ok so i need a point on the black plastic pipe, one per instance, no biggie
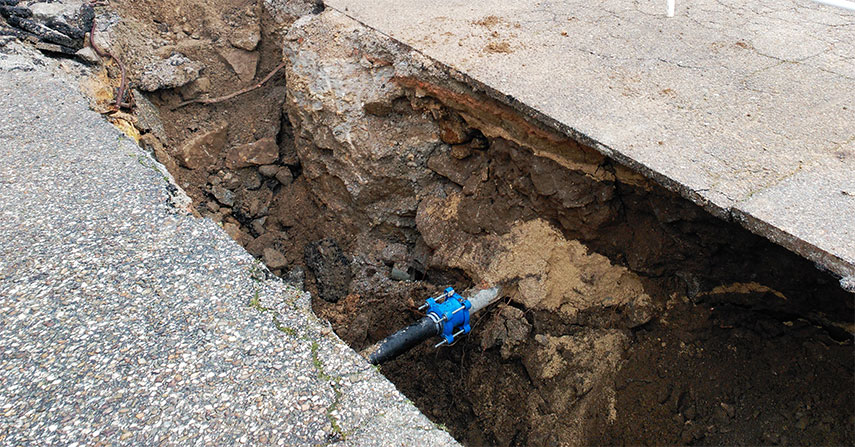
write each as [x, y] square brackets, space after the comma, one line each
[401, 341]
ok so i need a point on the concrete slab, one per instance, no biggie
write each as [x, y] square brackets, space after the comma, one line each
[720, 103]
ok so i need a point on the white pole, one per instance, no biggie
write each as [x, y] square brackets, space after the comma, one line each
[845, 4]
[670, 5]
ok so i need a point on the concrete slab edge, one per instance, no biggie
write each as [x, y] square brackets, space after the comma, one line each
[722, 208]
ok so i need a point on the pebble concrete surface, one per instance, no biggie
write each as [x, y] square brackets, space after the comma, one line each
[125, 320]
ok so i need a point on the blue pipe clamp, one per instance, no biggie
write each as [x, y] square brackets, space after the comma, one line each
[450, 313]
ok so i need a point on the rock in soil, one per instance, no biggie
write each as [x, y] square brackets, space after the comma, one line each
[268, 170]
[203, 150]
[262, 152]
[247, 37]
[331, 269]
[274, 259]
[252, 204]
[284, 176]
[244, 63]
[173, 72]
[88, 56]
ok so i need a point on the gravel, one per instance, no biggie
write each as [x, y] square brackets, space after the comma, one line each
[125, 320]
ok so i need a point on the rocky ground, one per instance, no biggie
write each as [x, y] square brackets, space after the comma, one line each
[629, 315]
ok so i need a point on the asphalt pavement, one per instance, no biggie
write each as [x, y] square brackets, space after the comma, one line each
[126, 320]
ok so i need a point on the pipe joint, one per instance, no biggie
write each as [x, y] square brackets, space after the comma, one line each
[450, 312]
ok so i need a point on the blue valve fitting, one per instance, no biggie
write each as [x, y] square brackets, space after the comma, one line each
[450, 312]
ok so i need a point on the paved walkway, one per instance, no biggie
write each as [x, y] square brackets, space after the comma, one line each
[125, 321]
[746, 108]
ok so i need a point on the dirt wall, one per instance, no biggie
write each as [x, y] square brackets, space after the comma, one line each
[595, 260]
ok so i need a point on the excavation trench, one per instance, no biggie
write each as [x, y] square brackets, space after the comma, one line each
[629, 315]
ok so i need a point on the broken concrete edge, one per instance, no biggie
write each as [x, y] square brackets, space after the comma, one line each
[721, 207]
[818, 256]
[334, 358]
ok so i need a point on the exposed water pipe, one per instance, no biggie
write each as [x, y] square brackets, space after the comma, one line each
[446, 315]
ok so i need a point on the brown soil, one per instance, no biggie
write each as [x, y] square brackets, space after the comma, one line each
[203, 32]
[630, 316]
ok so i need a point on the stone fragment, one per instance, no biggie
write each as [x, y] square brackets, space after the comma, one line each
[148, 117]
[331, 269]
[377, 108]
[230, 180]
[399, 273]
[223, 195]
[243, 63]
[296, 276]
[453, 130]
[284, 176]
[11, 10]
[213, 206]
[249, 179]
[274, 259]
[729, 409]
[63, 23]
[251, 204]
[458, 171]
[461, 151]
[394, 252]
[88, 56]
[173, 72]
[257, 225]
[246, 37]
[268, 170]
[234, 231]
[196, 88]
[55, 12]
[203, 150]
[262, 152]
[358, 330]
[256, 247]
[55, 48]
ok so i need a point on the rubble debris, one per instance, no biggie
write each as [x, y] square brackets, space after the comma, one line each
[55, 27]
[262, 152]
[246, 37]
[201, 151]
[175, 71]
[244, 63]
[331, 269]
[88, 56]
[274, 259]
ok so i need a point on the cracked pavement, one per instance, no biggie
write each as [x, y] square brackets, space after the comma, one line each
[126, 321]
[744, 108]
